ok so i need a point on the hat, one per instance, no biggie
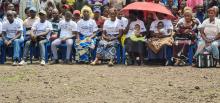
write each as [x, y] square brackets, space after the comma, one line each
[97, 10]
[66, 6]
[42, 12]
[76, 12]
[33, 9]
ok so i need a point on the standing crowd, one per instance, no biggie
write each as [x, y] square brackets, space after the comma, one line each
[92, 31]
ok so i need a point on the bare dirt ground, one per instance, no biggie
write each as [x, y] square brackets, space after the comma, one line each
[102, 84]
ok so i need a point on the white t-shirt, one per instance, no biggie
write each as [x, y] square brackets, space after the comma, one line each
[12, 29]
[67, 28]
[43, 5]
[132, 25]
[112, 27]
[87, 28]
[211, 29]
[123, 22]
[39, 27]
[167, 24]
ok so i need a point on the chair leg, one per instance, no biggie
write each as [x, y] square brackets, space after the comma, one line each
[47, 46]
[123, 54]
[3, 54]
[31, 54]
[190, 54]
[118, 53]
[169, 53]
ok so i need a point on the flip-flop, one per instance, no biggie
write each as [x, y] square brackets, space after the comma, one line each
[110, 64]
[95, 63]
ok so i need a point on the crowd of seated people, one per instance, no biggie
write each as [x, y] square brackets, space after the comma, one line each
[92, 31]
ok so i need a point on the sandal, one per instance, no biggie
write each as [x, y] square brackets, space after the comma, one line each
[110, 64]
[95, 63]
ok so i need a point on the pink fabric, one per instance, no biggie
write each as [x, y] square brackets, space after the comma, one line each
[193, 3]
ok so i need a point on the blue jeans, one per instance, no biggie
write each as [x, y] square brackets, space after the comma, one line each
[16, 44]
[1, 44]
[41, 47]
[213, 48]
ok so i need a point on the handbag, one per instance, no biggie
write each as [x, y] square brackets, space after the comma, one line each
[205, 60]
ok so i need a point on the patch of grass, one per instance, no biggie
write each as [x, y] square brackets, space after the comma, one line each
[19, 75]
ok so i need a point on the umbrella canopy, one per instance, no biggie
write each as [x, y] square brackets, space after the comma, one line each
[148, 7]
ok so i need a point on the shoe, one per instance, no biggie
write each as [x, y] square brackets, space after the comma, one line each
[22, 63]
[95, 63]
[110, 64]
[67, 61]
[15, 63]
[42, 63]
[55, 62]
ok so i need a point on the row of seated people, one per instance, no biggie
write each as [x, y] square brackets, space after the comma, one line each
[180, 38]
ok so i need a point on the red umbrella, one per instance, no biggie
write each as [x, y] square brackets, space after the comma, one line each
[148, 7]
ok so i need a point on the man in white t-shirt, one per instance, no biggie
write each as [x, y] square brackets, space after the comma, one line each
[29, 22]
[11, 32]
[40, 33]
[122, 20]
[68, 29]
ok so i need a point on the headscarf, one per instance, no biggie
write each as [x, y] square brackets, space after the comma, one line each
[88, 9]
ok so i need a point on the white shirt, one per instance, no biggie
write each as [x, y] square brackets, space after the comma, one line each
[12, 29]
[43, 5]
[132, 25]
[167, 24]
[211, 29]
[112, 27]
[67, 28]
[39, 27]
[87, 28]
[123, 22]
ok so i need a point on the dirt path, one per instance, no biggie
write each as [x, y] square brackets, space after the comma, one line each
[102, 84]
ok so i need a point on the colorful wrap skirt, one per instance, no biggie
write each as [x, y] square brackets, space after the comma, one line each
[83, 48]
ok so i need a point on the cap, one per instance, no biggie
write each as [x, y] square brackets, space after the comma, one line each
[42, 12]
[76, 12]
[33, 9]
[97, 10]
[66, 6]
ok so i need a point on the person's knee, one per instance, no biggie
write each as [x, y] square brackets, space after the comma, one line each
[201, 43]
[53, 43]
[69, 43]
[42, 42]
[28, 43]
[214, 44]
[16, 41]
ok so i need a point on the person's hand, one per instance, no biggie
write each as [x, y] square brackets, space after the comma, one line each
[187, 31]
[77, 41]
[8, 42]
[33, 38]
[63, 39]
